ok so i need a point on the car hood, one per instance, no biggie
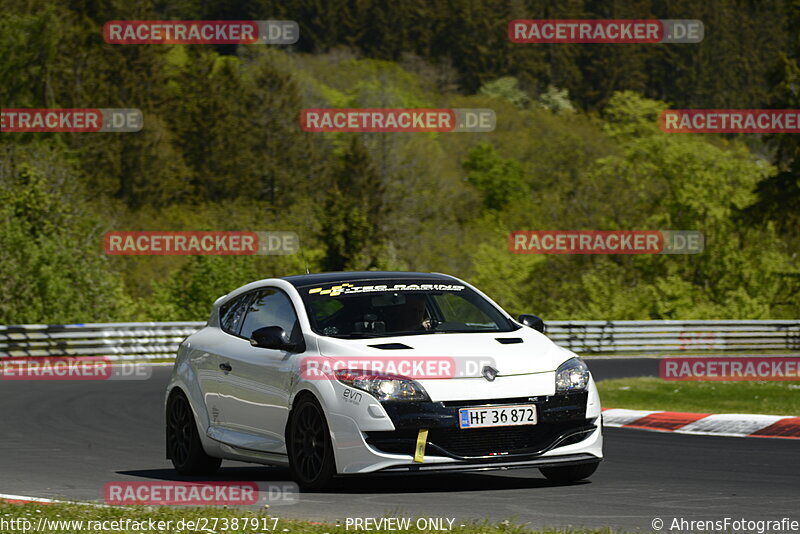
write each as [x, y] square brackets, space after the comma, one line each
[523, 351]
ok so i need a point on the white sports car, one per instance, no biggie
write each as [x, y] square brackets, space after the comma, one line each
[341, 374]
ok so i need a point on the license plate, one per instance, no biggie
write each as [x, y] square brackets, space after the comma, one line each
[487, 416]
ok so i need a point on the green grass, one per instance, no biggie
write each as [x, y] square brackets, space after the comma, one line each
[774, 398]
[77, 512]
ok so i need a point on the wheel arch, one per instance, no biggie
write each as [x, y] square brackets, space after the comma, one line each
[298, 396]
[173, 391]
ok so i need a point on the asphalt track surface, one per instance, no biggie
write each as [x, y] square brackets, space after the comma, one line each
[66, 439]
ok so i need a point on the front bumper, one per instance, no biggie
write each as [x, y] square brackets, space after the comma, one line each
[561, 421]
[545, 461]
[563, 435]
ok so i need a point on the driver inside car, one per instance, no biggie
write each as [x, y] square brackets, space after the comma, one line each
[412, 316]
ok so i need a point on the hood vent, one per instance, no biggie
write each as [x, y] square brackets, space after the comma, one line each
[391, 346]
[508, 340]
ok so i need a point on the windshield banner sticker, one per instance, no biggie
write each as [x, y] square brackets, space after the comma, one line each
[350, 289]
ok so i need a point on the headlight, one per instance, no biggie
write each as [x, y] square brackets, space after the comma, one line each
[572, 375]
[382, 386]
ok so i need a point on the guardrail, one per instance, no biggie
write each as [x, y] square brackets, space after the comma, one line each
[121, 341]
[128, 341]
[676, 336]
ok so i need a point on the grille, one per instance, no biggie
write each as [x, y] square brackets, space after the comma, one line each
[550, 408]
[493, 402]
[480, 441]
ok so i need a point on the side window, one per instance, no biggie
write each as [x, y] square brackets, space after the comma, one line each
[231, 314]
[271, 307]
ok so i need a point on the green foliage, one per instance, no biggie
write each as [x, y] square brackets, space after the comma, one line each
[497, 178]
[187, 295]
[51, 264]
[190, 292]
[652, 181]
[28, 46]
[501, 275]
[506, 89]
[779, 195]
[70, 518]
[222, 150]
[351, 213]
[556, 100]
[651, 393]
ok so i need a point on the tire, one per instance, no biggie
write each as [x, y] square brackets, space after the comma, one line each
[309, 445]
[184, 447]
[569, 473]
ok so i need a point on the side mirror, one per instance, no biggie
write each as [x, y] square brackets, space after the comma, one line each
[532, 321]
[274, 337]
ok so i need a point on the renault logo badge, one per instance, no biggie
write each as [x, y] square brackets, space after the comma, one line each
[489, 373]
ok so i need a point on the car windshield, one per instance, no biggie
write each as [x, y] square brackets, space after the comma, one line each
[383, 308]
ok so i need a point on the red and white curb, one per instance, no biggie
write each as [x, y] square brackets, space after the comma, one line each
[25, 499]
[739, 425]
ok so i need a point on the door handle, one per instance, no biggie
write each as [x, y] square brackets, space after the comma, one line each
[226, 367]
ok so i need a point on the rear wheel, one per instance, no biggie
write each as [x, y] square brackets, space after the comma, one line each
[310, 449]
[569, 473]
[183, 441]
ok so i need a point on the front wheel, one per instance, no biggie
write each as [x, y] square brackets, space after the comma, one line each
[310, 449]
[569, 473]
[183, 441]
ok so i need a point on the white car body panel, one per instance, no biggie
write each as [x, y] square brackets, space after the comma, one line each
[242, 414]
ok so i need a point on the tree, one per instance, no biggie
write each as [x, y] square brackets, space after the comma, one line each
[497, 178]
[350, 212]
[52, 268]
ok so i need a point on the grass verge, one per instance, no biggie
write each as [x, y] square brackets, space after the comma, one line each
[82, 519]
[646, 393]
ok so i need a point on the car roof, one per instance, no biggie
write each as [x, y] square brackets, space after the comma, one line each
[301, 280]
